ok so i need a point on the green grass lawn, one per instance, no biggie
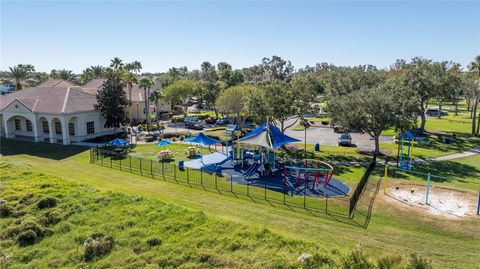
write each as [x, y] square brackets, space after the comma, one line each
[448, 242]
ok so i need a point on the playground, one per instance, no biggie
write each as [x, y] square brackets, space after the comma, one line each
[251, 161]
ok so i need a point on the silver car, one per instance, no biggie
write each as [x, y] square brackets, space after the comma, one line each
[345, 139]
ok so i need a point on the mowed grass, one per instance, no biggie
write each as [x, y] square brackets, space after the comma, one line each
[448, 242]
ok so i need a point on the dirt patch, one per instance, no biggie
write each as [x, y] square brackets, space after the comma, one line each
[442, 202]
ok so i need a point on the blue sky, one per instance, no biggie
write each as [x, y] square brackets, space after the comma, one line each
[75, 35]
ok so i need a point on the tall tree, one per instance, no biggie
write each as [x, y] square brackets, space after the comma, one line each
[474, 75]
[116, 63]
[276, 68]
[19, 75]
[208, 86]
[129, 79]
[112, 101]
[147, 83]
[180, 92]
[373, 110]
[64, 74]
[92, 72]
[233, 101]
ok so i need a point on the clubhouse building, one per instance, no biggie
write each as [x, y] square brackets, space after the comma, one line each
[57, 111]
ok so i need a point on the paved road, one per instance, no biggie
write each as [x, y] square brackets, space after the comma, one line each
[326, 136]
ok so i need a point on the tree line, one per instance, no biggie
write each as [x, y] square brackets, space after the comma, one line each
[362, 97]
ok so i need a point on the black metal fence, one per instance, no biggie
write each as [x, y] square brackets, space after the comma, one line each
[341, 206]
[360, 187]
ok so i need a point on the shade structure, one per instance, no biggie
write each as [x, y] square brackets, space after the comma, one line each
[267, 136]
[187, 139]
[117, 142]
[203, 140]
[163, 143]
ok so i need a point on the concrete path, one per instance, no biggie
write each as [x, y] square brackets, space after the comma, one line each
[467, 153]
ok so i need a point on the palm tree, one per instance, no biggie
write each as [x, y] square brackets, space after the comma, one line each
[474, 68]
[19, 74]
[98, 71]
[116, 63]
[146, 83]
[129, 79]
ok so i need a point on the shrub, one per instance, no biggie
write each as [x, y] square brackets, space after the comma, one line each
[154, 241]
[47, 202]
[417, 262]
[26, 198]
[389, 262]
[5, 210]
[318, 261]
[27, 238]
[356, 259]
[182, 137]
[97, 245]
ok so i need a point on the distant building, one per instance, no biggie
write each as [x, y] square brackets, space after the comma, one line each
[58, 111]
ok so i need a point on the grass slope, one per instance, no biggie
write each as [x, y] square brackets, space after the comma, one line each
[448, 243]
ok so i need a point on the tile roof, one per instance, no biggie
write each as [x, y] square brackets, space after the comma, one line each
[51, 100]
[57, 83]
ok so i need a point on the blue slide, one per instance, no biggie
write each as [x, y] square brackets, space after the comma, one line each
[251, 170]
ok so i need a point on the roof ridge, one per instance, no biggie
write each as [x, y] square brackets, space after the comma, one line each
[65, 101]
[35, 105]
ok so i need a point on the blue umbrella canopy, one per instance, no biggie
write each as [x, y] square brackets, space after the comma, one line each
[188, 139]
[268, 136]
[163, 143]
[203, 140]
[117, 142]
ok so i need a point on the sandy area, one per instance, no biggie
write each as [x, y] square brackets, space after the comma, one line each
[441, 201]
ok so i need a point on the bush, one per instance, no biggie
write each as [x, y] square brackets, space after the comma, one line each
[154, 242]
[97, 245]
[5, 210]
[356, 259]
[182, 137]
[417, 262]
[390, 262]
[27, 238]
[47, 202]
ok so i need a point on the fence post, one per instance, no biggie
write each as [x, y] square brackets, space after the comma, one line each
[304, 197]
[120, 164]
[141, 171]
[163, 170]
[174, 172]
[151, 167]
[428, 188]
[102, 160]
[284, 190]
[111, 162]
[130, 163]
[248, 188]
[326, 204]
[188, 176]
[90, 155]
[231, 183]
[215, 180]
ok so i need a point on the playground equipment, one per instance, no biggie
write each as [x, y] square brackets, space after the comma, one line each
[404, 159]
[307, 173]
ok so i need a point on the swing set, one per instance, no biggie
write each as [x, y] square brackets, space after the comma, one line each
[309, 175]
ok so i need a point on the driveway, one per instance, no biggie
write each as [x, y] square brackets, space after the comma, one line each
[326, 136]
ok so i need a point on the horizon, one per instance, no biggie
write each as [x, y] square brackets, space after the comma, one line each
[75, 35]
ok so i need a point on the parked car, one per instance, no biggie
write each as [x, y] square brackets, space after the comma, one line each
[223, 121]
[345, 139]
[194, 125]
[433, 112]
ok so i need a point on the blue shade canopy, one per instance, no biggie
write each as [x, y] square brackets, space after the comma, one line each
[163, 143]
[117, 142]
[203, 140]
[269, 137]
[187, 139]
[408, 135]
